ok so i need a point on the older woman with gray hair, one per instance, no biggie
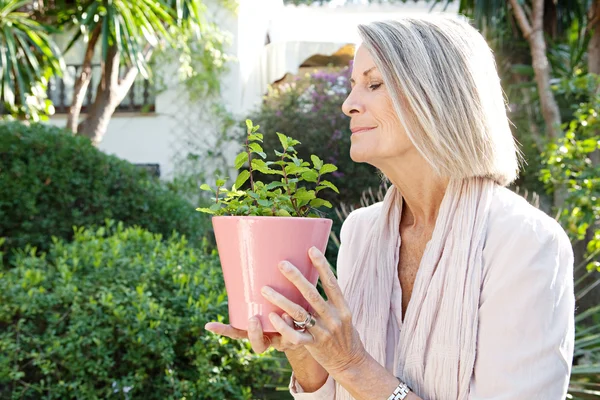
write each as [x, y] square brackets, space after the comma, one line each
[453, 287]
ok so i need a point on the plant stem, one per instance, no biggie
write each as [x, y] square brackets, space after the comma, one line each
[250, 164]
[287, 184]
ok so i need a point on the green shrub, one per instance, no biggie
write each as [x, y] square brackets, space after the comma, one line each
[52, 181]
[119, 313]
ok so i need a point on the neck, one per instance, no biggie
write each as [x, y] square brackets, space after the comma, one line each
[422, 189]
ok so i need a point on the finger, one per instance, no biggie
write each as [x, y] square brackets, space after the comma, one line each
[259, 341]
[288, 333]
[226, 330]
[308, 290]
[295, 311]
[328, 279]
[288, 320]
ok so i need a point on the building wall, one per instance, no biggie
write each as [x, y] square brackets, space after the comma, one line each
[160, 137]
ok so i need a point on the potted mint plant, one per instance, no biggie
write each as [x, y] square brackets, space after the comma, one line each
[258, 227]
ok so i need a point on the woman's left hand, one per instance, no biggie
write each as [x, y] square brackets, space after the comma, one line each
[333, 341]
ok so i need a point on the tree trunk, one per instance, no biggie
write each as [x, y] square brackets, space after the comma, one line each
[534, 33]
[111, 92]
[82, 83]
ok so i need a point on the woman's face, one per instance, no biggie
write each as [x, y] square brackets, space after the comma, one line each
[377, 134]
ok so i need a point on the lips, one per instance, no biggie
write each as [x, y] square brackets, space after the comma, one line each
[359, 129]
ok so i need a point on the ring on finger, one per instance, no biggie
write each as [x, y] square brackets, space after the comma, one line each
[308, 323]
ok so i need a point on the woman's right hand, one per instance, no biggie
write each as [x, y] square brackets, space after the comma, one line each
[258, 339]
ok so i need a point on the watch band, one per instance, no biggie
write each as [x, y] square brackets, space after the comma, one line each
[400, 392]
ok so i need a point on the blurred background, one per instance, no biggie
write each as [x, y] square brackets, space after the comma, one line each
[115, 111]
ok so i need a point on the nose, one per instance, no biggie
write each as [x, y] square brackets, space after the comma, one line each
[352, 105]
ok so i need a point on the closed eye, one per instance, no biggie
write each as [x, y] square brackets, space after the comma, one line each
[375, 86]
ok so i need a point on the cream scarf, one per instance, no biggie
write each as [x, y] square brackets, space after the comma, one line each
[435, 354]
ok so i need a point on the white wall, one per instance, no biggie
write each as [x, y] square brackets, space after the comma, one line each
[159, 137]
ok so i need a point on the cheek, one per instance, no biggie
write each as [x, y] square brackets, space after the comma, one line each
[389, 120]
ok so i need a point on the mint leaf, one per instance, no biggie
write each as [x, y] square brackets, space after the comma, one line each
[317, 162]
[284, 140]
[320, 203]
[310, 176]
[205, 210]
[304, 195]
[242, 178]
[327, 168]
[240, 160]
[206, 187]
[327, 184]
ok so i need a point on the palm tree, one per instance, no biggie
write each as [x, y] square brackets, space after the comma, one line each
[128, 33]
[28, 57]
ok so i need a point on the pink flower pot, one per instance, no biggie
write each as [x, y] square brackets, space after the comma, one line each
[250, 248]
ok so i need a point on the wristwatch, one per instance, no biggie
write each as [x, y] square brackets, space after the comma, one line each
[400, 392]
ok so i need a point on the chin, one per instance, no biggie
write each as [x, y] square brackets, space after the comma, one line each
[359, 156]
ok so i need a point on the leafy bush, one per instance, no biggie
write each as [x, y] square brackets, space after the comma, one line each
[52, 181]
[569, 164]
[119, 313]
[309, 110]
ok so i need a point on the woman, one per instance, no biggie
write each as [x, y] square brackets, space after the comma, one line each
[453, 287]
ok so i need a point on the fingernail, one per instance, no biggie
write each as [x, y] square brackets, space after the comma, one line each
[314, 252]
[272, 317]
[266, 290]
[284, 266]
[253, 322]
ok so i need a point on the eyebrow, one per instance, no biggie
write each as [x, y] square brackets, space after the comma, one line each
[367, 72]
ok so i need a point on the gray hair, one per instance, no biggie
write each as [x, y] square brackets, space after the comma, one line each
[442, 78]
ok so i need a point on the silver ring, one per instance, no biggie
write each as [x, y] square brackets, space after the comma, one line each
[309, 322]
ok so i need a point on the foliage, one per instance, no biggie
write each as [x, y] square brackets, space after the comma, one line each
[119, 313]
[283, 198]
[569, 164]
[28, 58]
[309, 109]
[52, 181]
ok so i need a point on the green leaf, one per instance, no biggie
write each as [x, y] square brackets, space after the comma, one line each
[242, 178]
[249, 125]
[282, 213]
[327, 184]
[274, 185]
[255, 137]
[327, 168]
[317, 162]
[304, 195]
[240, 160]
[205, 210]
[257, 148]
[215, 207]
[220, 182]
[283, 140]
[264, 202]
[310, 176]
[320, 203]
[206, 187]
[294, 169]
